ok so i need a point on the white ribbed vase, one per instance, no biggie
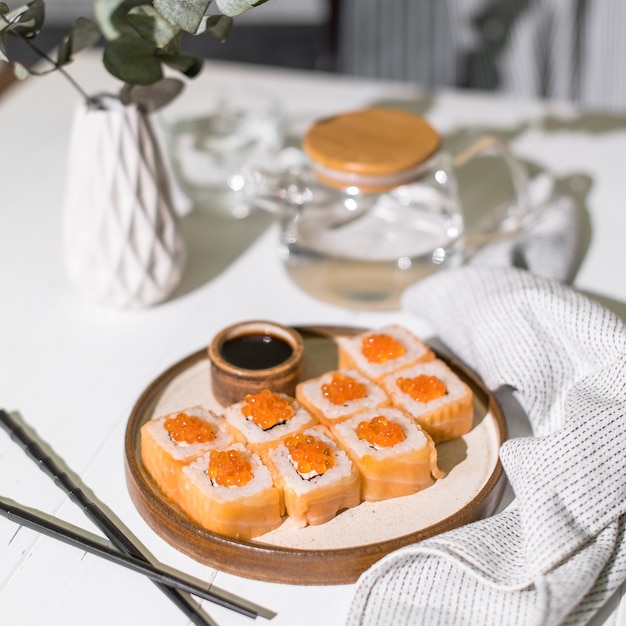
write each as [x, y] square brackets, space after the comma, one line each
[122, 241]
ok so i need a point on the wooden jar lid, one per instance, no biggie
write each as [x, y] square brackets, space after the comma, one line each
[374, 149]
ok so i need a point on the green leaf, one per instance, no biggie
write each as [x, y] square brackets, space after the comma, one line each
[237, 7]
[14, 16]
[64, 53]
[4, 26]
[152, 97]
[29, 22]
[112, 16]
[4, 8]
[173, 47]
[186, 14]
[186, 64]
[35, 15]
[84, 34]
[132, 61]
[152, 26]
[219, 26]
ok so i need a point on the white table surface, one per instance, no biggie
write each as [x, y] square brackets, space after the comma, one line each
[74, 370]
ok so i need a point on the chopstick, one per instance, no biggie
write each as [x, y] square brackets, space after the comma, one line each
[33, 446]
[80, 538]
[34, 449]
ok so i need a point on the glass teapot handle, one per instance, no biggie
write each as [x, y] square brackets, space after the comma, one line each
[520, 208]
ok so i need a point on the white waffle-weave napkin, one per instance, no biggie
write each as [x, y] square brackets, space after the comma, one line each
[559, 551]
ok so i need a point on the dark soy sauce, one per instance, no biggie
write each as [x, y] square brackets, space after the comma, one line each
[256, 351]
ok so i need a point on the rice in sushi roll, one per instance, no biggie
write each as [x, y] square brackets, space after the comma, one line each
[432, 394]
[394, 456]
[263, 419]
[171, 441]
[316, 475]
[337, 395]
[231, 492]
[380, 352]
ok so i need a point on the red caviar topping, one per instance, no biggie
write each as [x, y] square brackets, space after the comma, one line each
[267, 409]
[343, 388]
[422, 388]
[309, 454]
[380, 348]
[189, 429]
[379, 431]
[229, 468]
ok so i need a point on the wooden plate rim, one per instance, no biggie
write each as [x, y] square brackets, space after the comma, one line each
[281, 564]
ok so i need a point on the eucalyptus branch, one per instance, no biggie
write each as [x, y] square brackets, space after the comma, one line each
[143, 41]
[56, 66]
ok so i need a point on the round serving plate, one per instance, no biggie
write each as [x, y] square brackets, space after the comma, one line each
[338, 551]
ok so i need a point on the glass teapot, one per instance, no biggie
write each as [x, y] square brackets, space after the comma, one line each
[370, 205]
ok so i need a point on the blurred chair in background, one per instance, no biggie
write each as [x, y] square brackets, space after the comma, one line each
[572, 50]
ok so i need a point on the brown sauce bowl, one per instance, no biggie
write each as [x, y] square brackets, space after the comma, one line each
[248, 357]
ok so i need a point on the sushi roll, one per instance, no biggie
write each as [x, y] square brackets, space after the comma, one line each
[317, 477]
[394, 456]
[380, 352]
[432, 394]
[337, 395]
[231, 492]
[263, 419]
[171, 441]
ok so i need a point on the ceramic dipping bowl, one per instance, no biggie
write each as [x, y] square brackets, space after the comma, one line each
[251, 356]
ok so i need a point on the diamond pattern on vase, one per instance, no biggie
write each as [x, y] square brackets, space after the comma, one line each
[122, 240]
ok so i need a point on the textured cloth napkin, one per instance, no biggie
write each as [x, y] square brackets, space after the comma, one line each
[558, 552]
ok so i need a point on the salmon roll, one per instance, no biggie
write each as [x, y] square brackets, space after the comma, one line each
[265, 418]
[435, 397]
[231, 492]
[380, 352]
[337, 395]
[317, 477]
[172, 441]
[394, 456]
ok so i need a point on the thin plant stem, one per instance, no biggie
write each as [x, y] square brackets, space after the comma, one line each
[45, 56]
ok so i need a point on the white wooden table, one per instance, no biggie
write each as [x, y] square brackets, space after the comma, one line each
[74, 370]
